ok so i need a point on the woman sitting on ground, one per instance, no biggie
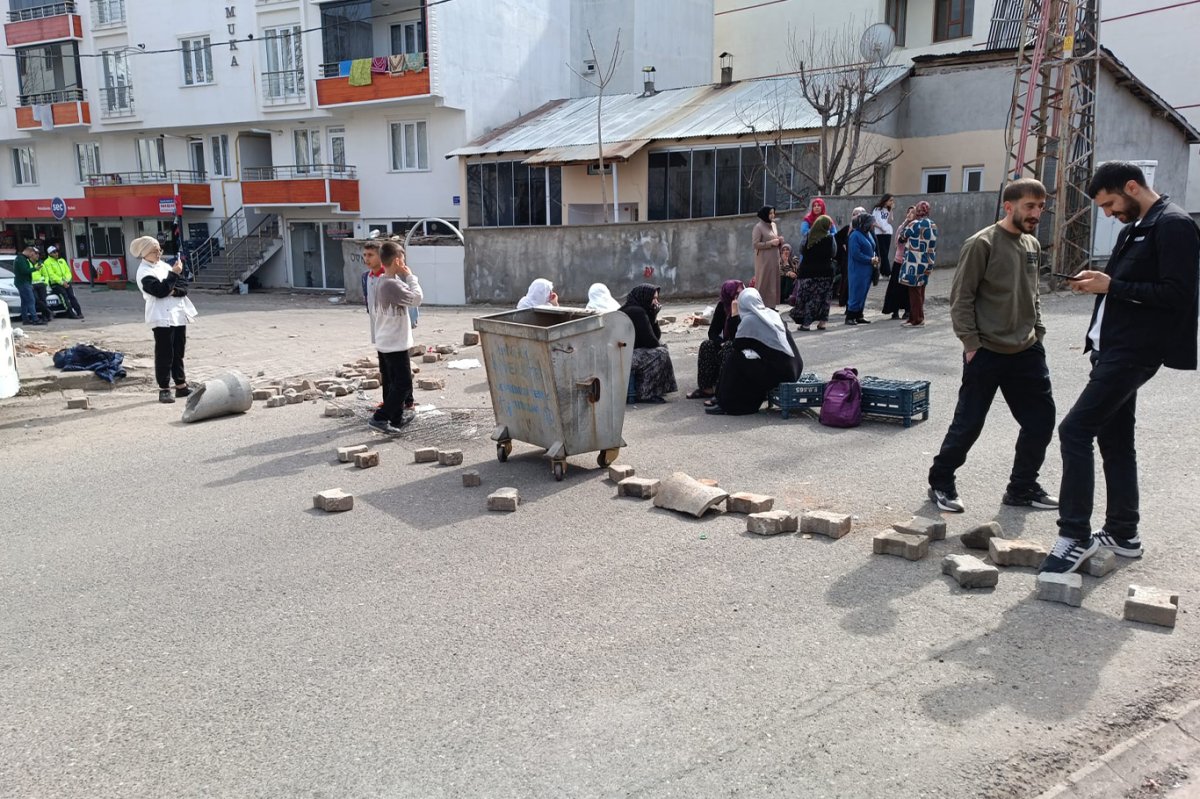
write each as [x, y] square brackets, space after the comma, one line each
[714, 349]
[541, 292]
[601, 299]
[652, 374]
[814, 285]
[763, 356]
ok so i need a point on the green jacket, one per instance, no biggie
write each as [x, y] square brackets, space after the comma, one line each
[22, 270]
[56, 270]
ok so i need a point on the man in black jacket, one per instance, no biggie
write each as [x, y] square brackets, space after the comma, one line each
[1144, 318]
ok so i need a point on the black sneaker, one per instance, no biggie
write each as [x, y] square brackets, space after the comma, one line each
[946, 500]
[1125, 547]
[406, 418]
[1068, 554]
[183, 391]
[851, 321]
[863, 321]
[1033, 498]
[164, 395]
[383, 426]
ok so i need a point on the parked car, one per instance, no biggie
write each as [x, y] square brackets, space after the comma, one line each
[10, 295]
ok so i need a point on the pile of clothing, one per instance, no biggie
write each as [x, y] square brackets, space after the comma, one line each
[86, 358]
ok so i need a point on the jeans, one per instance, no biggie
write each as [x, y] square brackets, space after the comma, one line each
[28, 303]
[169, 344]
[1024, 380]
[397, 385]
[1105, 412]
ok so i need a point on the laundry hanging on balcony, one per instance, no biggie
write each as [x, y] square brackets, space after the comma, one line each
[360, 72]
[379, 65]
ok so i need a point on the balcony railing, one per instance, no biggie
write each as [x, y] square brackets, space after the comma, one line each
[136, 178]
[283, 87]
[41, 12]
[108, 13]
[48, 98]
[413, 62]
[300, 172]
[116, 101]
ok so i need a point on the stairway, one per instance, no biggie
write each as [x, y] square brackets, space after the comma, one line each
[234, 253]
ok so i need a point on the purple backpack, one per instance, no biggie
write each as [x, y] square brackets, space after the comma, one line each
[842, 404]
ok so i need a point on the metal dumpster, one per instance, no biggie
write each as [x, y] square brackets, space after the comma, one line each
[558, 379]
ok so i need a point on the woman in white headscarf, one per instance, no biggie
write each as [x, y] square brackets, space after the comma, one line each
[541, 292]
[601, 299]
[168, 311]
[763, 356]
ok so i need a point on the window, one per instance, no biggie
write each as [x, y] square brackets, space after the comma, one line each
[346, 31]
[197, 61]
[972, 178]
[87, 160]
[308, 149]
[107, 241]
[222, 167]
[107, 12]
[284, 78]
[151, 155]
[512, 193]
[408, 37]
[49, 73]
[879, 179]
[935, 181]
[196, 157]
[337, 148]
[24, 166]
[952, 19]
[895, 14]
[116, 91]
[410, 148]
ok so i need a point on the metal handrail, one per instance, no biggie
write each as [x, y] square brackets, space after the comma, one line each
[48, 98]
[41, 12]
[333, 68]
[149, 176]
[242, 248]
[300, 172]
[286, 84]
[116, 101]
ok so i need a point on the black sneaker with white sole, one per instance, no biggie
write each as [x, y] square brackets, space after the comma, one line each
[383, 426]
[1034, 498]
[1124, 547]
[1068, 554]
[946, 500]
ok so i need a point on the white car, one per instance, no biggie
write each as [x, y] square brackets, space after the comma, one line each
[10, 295]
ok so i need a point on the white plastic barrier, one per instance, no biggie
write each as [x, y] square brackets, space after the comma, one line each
[10, 381]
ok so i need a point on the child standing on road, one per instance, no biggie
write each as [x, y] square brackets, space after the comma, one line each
[389, 296]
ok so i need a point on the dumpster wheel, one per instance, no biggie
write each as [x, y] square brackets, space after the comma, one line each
[503, 448]
[560, 469]
[607, 457]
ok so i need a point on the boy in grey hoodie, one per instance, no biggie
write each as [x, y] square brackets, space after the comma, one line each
[388, 299]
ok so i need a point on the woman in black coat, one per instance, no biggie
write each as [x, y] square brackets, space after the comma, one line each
[652, 374]
[763, 355]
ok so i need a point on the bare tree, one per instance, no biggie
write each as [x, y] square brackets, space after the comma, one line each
[604, 75]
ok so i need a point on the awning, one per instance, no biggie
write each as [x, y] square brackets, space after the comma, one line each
[620, 152]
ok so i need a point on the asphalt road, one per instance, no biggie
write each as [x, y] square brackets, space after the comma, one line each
[178, 621]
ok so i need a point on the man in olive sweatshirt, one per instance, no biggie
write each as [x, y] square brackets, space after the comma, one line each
[997, 315]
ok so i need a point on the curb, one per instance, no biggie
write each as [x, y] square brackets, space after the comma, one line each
[1127, 765]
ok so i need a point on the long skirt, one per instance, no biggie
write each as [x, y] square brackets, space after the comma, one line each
[896, 298]
[708, 363]
[813, 296]
[653, 373]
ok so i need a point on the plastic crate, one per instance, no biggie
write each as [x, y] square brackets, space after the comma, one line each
[807, 392]
[902, 399]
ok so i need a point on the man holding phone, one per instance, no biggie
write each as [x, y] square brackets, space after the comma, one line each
[996, 313]
[1144, 318]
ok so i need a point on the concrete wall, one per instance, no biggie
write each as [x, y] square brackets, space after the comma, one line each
[687, 258]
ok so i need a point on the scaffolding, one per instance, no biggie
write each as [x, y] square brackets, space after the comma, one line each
[1051, 133]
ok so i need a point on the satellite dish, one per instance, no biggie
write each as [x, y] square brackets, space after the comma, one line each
[877, 42]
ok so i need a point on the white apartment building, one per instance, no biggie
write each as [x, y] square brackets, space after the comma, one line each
[1154, 38]
[319, 119]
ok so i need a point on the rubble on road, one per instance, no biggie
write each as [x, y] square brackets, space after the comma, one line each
[772, 522]
[1151, 606]
[1064, 588]
[970, 572]
[335, 500]
[901, 545]
[826, 523]
[683, 493]
[504, 500]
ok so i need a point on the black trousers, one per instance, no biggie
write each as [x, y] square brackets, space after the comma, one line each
[169, 344]
[396, 372]
[1024, 381]
[1105, 413]
[39, 301]
[66, 296]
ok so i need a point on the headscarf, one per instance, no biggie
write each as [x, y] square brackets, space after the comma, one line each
[921, 210]
[864, 223]
[729, 290]
[761, 323]
[764, 213]
[538, 294]
[812, 214]
[820, 229]
[643, 297]
[601, 299]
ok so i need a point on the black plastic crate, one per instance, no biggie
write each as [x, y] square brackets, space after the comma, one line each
[902, 399]
[807, 392]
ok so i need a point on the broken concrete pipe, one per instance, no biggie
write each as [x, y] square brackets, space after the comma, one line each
[224, 394]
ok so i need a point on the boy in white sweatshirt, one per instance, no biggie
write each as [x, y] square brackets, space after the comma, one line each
[388, 300]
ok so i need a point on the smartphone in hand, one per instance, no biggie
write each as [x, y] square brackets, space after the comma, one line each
[1065, 276]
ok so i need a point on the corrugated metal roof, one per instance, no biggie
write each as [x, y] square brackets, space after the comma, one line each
[771, 104]
[586, 153]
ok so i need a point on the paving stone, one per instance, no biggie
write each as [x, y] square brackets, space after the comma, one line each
[1064, 588]
[79, 404]
[369, 385]
[471, 479]
[1151, 606]
[460, 415]
[619, 471]
[376, 375]
[339, 390]
[1016, 552]
[446, 349]
[416, 351]
[277, 402]
[430, 357]
[337, 411]
[772, 522]
[933, 529]
[345, 370]
[450, 457]
[978, 537]
[431, 384]
[290, 392]
[902, 545]
[970, 571]
[346, 454]
[293, 399]
[1100, 564]
[365, 460]
[265, 393]
[827, 523]
[313, 394]
[334, 500]
[640, 487]
[504, 499]
[745, 502]
[426, 455]
[470, 339]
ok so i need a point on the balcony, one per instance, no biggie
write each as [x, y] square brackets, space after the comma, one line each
[391, 78]
[107, 14]
[116, 102]
[49, 23]
[301, 184]
[66, 109]
[165, 185]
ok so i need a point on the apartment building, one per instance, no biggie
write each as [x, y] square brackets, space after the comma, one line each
[308, 121]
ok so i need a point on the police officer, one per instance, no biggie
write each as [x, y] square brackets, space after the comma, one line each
[58, 276]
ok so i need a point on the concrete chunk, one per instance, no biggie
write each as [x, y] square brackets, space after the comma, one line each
[978, 537]
[369, 385]
[430, 357]
[445, 349]
[1151, 606]
[1016, 552]
[902, 545]
[504, 499]
[772, 522]
[338, 390]
[471, 479]
[1100, 564]
[640, 487]
[970, 571]
[450, 457]
[365, 460]
[827, 523]
[680, 492]
[745, 502]
[933, 529]
[470, 339]
[1064, 588]
[619, 471]
[337, 411]
[293, 399]
[346, 454]
[425, 455]
[79, 404]
[334, 500]
[277, 402]
[265, 393]
[431, 384]
[415, 351]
